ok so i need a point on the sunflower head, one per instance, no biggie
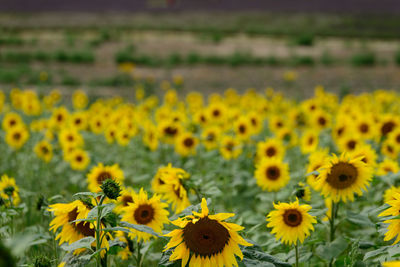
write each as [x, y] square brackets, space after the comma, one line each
[291, 222]
[203, 239]
[342, 177]
[272, 174]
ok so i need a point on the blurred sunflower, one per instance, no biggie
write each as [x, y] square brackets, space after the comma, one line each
[272, 174]
[230, 147]
[11, 120]
[291, 222]
[387, 166]
[44, 150]
[186, 144]
[127, 195]
[9, 190]
[150, 212]
[309, 141]
[175, 194]
[303, 192]
[342, 177]
[210, 137]
[17, 136]
[389, 193]
[98, 174]
[206, 240]
[271, 148]
[79, 159]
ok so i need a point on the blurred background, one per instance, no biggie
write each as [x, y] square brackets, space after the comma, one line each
[112, 47]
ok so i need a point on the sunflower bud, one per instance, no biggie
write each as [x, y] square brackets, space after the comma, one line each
[111, 189]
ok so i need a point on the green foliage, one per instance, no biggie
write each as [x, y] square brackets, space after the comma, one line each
[365, 58]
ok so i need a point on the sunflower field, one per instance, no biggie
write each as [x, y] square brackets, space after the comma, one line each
[230, 179]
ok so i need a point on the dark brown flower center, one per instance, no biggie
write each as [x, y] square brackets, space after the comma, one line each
[322, 121]
[44, 149]
[398, 138]
[273, 173]
[60, 117]
[78, 121]
[188, 142]
[216, 113]
[387, 127]
[364, 128]
[81, 227]
[144, 214]
[351, 144]
[210, 137]
[242, 129]
[79, 158]
[206, 237]
[342, 175]
[292, 217]
[170, 131]
[17, 136]
[126, 199]
[12, 122]
[229, 146]
[103, 176]
[270, 152]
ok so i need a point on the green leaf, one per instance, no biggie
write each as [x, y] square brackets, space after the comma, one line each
[359, 219]
[318, 212]
[165, 262]
[332, 250]
[255, 256]
[88, 194]
[106, 209]
[85, 242]
[140, 228]
[117, 228]
[72, 260]
[375, 253]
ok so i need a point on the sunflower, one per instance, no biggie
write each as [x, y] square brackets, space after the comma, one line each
[44, 150]
[387, 166]
[79, 159]
[167, 174]
[389, 193]
[230, 147]
[349, 142]
[79, 120]
[391, 264]
[97, 124]
[126, 197]
[186, 144]
[342, 177]
[169, 131]
[175, 194]
[242, 128]
[110, 133]
[390, 149]
[303, 192]
[65, 215]
[271, 148]
[125, 253]
[210, 137]
[123, 137]
[256, 123]
[17, 136]
[367, 153]
[217, 112]
[79, 99]
[59, 117]
[70, 137]
[365, 126]
[388, 123]
[394, 224]
[98, 174]
[320, 119]
[150, 137]
[272, 174]
[291, 222]
[206, 240]
[309, 141]
[11, 120]
[9, 190]
[150, 212]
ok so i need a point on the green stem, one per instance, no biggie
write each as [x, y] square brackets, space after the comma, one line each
[334, 213]
[296, 246]
[98, 232]
[139, 255]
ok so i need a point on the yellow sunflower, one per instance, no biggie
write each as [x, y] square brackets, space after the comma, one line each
[366, 152]
[79, 120]
[303, 192]
[70, 137]
[210, 137]
[316, 161]
[394, 224]
[98, 174]
[242, 128]
[150, 212]
[291, 222]
[65, 214]
[206, 240]
[391, 264]
[17, 136]
[175, 194]
[390, 192]
[309, 141]
[79, 159]
[126, 197]
[387, 166]
[167, 174]
[186, 144]
[271, 148]
[11, 120]
[230, 148]
[9, 190]
[342, 177]
[272, 174]
[44, 150]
